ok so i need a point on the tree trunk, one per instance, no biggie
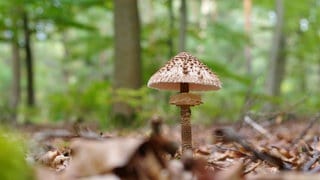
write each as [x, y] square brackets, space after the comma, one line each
[171, 27]
[319, 73]
[247, 4]
[66, 57]
[183, 26]
[303, 79]
[29, 61]
[127, 64]
[16, 89]
[278, 56]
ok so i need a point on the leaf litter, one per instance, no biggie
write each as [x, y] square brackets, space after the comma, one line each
[255, 150]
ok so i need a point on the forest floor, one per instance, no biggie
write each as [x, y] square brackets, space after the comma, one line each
[278, 149]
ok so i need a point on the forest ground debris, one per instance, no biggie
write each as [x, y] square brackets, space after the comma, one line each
[229, 135]
[244, 154]
[315, 156]
[307, 128]
[257, 127]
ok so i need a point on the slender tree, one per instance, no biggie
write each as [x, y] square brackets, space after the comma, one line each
[247, 5]
[183, 25]
[127, 64]
[29, 61]
[277, 56]
[171, 28]
[16, 73]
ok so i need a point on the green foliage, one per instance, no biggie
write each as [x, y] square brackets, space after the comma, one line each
[89, 103]
[12, 158]
[93, 103]
[143, 102]
[74, 57]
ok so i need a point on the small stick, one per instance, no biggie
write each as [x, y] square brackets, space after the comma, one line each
[229, 149]
[252, 168]
[309, 126]
[229, 135]
[315, 156]
[315, 170]
[313, 160]
[64, 134]
[257, 127]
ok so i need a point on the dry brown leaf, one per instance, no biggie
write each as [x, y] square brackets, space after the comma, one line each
[286, 176]
[235, 172]
[43, 173]
[202, 151]
[96, 157]
[101, 177]
[47, 158]
[148, 166]
[175, 169]
[60, 162]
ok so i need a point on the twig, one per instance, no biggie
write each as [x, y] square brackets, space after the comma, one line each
[252, 168]
[308, 127]
[315, 157]
[313, 160]
[64, 134]
[229, 135]
[315, 170]
[229, 149]
[257, 127]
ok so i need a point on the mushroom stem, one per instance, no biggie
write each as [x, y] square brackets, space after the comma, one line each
[186, 133]
[184, 87]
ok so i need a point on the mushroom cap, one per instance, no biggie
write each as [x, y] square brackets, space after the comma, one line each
[184, 68]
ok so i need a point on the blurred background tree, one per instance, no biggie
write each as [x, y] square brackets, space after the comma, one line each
[127, 65]
[64, 60]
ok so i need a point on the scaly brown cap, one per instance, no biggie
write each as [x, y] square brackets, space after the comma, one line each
[184, 68]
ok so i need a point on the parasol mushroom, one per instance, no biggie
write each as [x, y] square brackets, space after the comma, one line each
[185, 73]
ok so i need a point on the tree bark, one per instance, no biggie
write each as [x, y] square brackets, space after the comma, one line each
[29, 61]
[278, 55]
[183, 26]
[16, 88]
[66, 57]
[247, 4]
[303, 79]
[319, 72]
[127, 64]
[171, 27]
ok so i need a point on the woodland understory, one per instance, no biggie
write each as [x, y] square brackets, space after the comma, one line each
[280, 148]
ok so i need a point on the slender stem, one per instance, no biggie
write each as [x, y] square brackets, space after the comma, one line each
[186, 132]
[184, 87]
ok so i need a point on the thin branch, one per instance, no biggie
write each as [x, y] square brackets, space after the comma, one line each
[307, 128]
[229, 135]
[252, 168]
[257, 127]
[315, 157]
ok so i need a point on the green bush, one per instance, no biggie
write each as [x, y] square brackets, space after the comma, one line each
[92, 102]
[12, 158]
